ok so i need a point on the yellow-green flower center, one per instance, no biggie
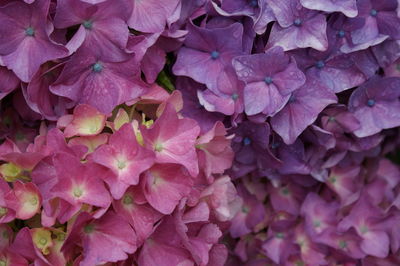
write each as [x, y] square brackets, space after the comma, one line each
[127, 200]
[78, 192]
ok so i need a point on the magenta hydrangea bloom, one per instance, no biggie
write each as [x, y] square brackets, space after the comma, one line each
[297, 27]
[302, 110]
[79, 184]
[166, 243]
[198, 238]
[7, 200]
[164, 185]
[125, 157]
[25, 199]
[375, 105]
[92, 79]
[270, 79]
[12, 257]
[140, 215]
[214, 151]
[102, 25]
[173, 140]
[205, 54]
[222, 198]
[108, 239]
[25, 246]
[24, 38]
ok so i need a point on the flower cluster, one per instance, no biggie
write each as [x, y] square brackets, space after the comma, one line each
[311, 91]
[297, 100]
[93, 189]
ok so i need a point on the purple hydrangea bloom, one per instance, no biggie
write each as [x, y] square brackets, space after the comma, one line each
[319, 215]
[347, 7]
[293, 157]
[207, 52]
[270, 79]
[251, 213]
[297, 27]
[370, 224]
[102, 26]
[153, 15]
[251, 147]
[332, 68]
[229, 97]
[302, 110]
[337, 119]
[191, 106]
[375, 104]
[258, 10]
[89, 78]
[380, 17]
[24, 38]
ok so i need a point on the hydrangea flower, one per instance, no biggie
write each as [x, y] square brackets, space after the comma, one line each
[140, 215]
[101, 25]
[191, 106]
[125, 157]
[25, 41]
[25, 199]
[379, 18]
[172, 139]
[347, 7]
[165, 185]
[270, 79]
[166, 13]
[297, 27]
[78, 184]
[108, 239]
[365, 219]
[332, 68]
[229, 97]
[259, 11]
[375, 105]
[302, 110]
[205, 54]
[114, 145]
[90, 78]
[214, 151]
